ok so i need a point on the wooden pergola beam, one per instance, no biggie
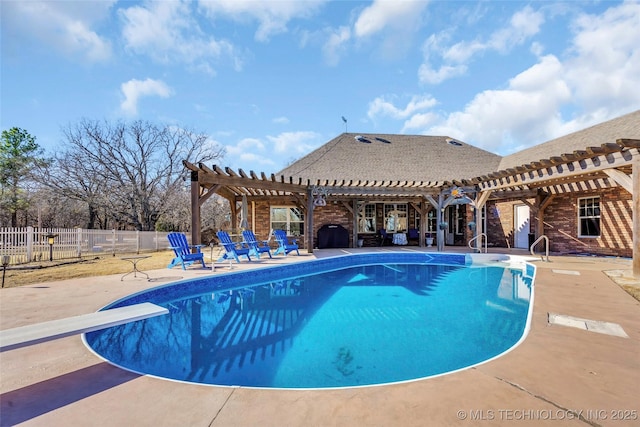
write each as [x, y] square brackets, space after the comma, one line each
[593, 168]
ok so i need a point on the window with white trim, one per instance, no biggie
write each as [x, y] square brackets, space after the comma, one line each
[367, 218]
[589, 217]
[289, 219]
[395, 217]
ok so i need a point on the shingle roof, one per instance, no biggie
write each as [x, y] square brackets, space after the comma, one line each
[393, 158]
[384, 157]
[623, 127]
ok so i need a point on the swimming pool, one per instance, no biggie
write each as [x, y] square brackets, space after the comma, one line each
[349, 321]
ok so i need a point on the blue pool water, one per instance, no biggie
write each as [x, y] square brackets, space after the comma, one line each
[337, 322]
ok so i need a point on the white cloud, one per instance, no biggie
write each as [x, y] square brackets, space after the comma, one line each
[599, 78]
[390, 25]
[387, 25]
[259, 160]
[258, 155]
[604, 69]
[245, 145]
[272, 16]
[523, 25]
[380, 107]
[249, 154]
[419, 121]
[526, 111]
[295, 143]
[335, 46]
[66, 26]
[281, 120]
[426, 74]
[134, 89]
[168, 33]
[383, 14]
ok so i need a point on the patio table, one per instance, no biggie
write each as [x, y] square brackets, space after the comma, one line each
[134, 260]
[399, 239]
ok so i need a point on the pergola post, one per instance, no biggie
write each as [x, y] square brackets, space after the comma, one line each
[635, 175]
[195, 209]
[440, 219]
[309, 222]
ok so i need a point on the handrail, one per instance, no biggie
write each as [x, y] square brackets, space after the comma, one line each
[533, 245]
[478, 237]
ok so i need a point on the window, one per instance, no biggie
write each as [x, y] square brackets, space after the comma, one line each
[367, 219]
[589, 217]
[288, 219]
[395, 217]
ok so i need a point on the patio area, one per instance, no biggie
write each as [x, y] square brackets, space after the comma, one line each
[561, 376]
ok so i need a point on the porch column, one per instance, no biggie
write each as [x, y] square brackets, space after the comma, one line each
[635, 175]
[423, 223]
[356, 215]
[195, 209]
[478, 204]
[439, 232]
[309, 222]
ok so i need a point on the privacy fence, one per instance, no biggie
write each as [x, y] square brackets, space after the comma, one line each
[28, 244]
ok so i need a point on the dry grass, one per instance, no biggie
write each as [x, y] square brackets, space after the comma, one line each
[102, 265]
[634, 291]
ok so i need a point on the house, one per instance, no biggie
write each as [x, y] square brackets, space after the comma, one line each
[576, 190]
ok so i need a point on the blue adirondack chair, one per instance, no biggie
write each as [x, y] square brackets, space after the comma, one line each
[183, 251]
[256, 247]
[231, 248]
[284, 246]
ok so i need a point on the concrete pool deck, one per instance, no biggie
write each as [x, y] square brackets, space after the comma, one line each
[560, 375]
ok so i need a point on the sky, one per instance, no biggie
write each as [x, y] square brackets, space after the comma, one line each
[270, 81]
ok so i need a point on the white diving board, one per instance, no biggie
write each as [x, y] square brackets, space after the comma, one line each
[41, 332]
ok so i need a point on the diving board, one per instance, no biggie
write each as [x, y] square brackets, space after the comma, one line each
[41, 332]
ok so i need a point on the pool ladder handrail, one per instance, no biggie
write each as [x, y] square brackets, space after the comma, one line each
[533, 245]
[479, 236]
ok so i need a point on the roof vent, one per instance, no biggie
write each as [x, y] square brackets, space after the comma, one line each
[454, 142]
[361, 138]
[386, 141]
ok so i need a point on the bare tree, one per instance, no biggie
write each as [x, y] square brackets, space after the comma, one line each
[132, 171]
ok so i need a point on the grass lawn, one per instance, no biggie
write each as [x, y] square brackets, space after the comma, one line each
[45, 271]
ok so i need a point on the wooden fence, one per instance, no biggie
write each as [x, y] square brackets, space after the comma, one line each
[29, 244]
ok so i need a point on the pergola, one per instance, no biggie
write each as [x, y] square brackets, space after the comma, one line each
[594, 168]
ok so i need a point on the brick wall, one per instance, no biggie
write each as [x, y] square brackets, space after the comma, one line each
[561, 224]
[262, 220]
[500, 223]
[332, 214]
[329, 214]
[616, 234]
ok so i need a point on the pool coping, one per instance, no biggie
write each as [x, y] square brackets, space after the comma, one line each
[558, 376]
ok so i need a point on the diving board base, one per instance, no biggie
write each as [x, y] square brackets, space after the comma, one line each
[47, 331]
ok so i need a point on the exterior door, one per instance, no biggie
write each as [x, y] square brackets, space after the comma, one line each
[451, 219]
[521, 227]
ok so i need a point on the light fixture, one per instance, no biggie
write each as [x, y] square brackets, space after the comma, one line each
[51, 239]
[319, 194]
[5, 263]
